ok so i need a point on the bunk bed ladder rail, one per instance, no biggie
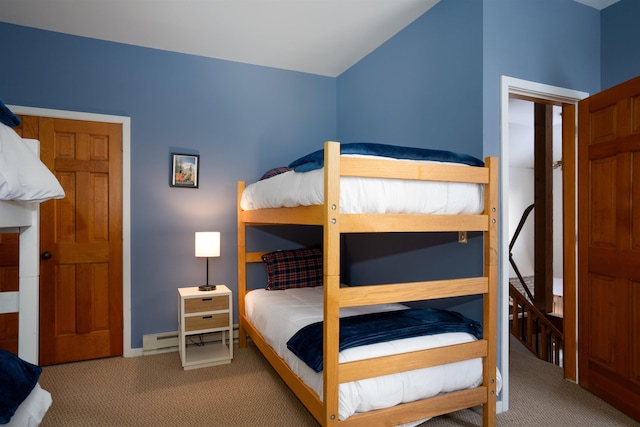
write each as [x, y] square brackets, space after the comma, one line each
[331, 252]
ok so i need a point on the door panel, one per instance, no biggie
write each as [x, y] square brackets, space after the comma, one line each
[602, 195]
[601, 345]
[608, 245]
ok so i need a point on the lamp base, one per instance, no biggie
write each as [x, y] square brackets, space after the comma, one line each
[207, 287]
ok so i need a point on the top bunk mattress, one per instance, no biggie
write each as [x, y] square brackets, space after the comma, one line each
[303, 185]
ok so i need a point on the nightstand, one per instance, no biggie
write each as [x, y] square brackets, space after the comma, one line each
[205, 325]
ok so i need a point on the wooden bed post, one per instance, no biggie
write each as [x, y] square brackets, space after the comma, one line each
[242, 269]
[331, 241]
[491, 298]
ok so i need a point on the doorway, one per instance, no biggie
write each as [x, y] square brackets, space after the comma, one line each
[535, 208]
[125, 122]
[510, 87]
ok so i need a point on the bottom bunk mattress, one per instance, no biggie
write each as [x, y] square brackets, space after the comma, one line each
[279, 314]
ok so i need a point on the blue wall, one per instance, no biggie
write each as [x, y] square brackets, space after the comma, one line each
[412, 89]
[241, 119]
[620, 57]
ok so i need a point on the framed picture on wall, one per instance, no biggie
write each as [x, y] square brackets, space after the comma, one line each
[185, 169]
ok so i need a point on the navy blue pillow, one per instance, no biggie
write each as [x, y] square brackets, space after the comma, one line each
[17, 379]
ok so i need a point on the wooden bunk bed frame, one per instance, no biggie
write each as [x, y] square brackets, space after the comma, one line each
[334, 224]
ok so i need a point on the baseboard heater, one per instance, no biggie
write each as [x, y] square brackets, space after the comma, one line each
[166, 342]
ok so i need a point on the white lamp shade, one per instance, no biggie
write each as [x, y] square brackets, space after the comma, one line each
[207, 243]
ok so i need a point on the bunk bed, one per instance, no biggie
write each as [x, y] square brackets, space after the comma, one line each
[323, 394]
[25, 182]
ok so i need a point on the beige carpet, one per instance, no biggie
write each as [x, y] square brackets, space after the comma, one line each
[155, 391]
[539, 396]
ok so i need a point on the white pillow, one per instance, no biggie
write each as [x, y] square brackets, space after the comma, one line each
[23, 177]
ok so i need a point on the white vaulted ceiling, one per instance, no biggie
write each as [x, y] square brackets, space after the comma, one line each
[323, 37]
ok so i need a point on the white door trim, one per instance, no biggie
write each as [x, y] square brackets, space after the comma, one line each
[512, 86]
[126, 201]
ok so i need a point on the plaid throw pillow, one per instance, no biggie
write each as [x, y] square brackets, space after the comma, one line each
[297, 268]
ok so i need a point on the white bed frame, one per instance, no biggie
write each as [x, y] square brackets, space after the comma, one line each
[24, 218]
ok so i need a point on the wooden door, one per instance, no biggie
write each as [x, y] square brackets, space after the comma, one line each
[80, 240]
[609, 246]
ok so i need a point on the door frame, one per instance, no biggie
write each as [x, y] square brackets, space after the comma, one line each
[535, 91]
[126, 203]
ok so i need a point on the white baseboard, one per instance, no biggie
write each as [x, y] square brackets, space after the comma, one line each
[166, 342]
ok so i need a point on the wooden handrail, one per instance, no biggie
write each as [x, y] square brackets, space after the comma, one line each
[532, 328]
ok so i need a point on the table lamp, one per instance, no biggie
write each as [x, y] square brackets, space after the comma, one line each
[207, 245]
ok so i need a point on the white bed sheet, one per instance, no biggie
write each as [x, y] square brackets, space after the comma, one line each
[366, 195]
[278, 315]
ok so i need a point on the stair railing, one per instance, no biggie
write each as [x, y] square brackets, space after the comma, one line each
[525, 215]
[532, 328]
[528, 324]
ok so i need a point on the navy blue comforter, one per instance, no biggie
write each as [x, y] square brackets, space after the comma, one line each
[315, 160]
[380, 327]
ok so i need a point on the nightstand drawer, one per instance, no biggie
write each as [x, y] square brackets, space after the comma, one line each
[210, 321]
[200, 305]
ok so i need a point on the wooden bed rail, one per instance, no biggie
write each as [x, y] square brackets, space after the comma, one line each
[386, 365]
[393, 169]
[354, 296]
[367, 223]
[391, 223]
[407, 412]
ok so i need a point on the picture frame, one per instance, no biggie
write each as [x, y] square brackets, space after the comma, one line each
[185, 170]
